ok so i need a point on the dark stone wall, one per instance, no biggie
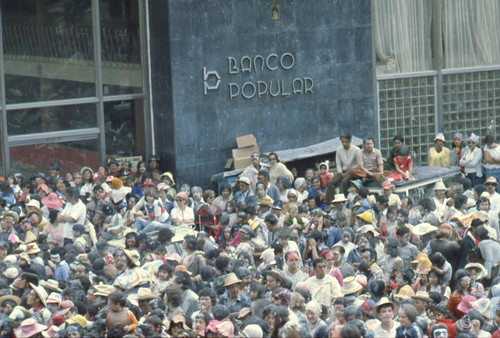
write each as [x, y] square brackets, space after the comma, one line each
[330, 41]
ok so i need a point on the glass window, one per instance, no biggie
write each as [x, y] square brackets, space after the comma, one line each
[38, 120]
[48, 49]
[124, 128]
[71, 156]
[121, 47]
[402, 31]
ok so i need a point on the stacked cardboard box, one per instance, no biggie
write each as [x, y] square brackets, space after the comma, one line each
[247, 144]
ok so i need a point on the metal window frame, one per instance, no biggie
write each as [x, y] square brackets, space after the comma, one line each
[92, 133]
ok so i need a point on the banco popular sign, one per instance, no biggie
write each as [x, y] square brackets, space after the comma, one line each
[258, 88]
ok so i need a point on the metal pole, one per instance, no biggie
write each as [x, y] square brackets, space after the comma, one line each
[438, 64]
[96, 21]
[4, 136]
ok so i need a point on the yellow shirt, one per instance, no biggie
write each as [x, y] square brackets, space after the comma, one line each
[441, 159]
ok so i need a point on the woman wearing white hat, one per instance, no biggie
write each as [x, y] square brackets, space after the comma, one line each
[439, 156]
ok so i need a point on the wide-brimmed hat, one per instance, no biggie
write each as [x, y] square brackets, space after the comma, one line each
[278, 274]
[18, 314]
[15, 299]
[177, 319]
[339, 198]
[381, 302]
[265, 201]
[350, 286]
[368, 228]
[32, 249]
[43, 187]
[133, 255]
[422, 295]
[465, 304]
[423, 229]
[54, 297]
[366, 216]
[183, 195]
[51, 285]
[52, 201]
[388, 185]
[29, 327]
[482, 270]
[483, 306]
[40, 291]
[77, 319]
[405, 292]
[244, 179]
[439, 136]
[65, 307]
[182, 268]
[11, 214]
[231, 279]
[491, 179]
[143, 294]
[169, 175]
[103, 290]
[86, 168]
[439, 186]
[33, 203]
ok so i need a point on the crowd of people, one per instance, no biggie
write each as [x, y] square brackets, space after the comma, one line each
[125, 252]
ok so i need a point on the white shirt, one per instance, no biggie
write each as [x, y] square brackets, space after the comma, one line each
[380, 332]
[346, 159]
[187, 214]
[495, 203]
[76, 211]
[325, 289]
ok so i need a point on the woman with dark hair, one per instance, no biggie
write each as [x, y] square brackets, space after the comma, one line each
[131, 241]
[209, 214]
[462, 286]
[192, 259]
[283, 326]
[283, 185]
[278, 169]
[457, 148]
[224, 197]
[54, 232]
[7, 193]
[426, 207]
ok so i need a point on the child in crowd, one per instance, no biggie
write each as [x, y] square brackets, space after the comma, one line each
[324, 174]
[119, 316]
[403, 164]
[162, 279]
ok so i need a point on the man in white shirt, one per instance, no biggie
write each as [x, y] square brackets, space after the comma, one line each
[323, 288]
[74, 213]
[346, 160]
[491, 185]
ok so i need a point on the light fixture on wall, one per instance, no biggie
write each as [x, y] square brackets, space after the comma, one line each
[275, 11]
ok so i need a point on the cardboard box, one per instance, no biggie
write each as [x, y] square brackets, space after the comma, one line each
[240, 163]
[246, 141]
[245, 152]
[229, 163]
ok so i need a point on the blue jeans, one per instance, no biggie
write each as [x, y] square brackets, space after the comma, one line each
[495, 173]
[143, 226]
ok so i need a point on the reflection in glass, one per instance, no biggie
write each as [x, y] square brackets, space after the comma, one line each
[71, 156]
[48, 50]
[124, 128]
[38, 120]
[121, 47]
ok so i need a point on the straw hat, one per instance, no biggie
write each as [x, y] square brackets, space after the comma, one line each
[368, 228]
[78, 319]
[33, 203]
[482, 270]
[405, 293]
[51, 331]
[40, 291]
[366, 216]
[383, 301]
[29, 327]
[350, 286]
[278, 274]
[231, 279]
[86, 168]
[244, 179]
[423, 229]
[52, 201]
[65, 307]
[491, 179]
[32, 249]
[265, 201]
[177, 319]
[103, 290]
[51, 284]
[339, 198]
[424, 266]
[483, 306]
[170, 177]
[142, 294]
[11, 214]
[54, 297]
[15, 299]
[439, 186]
[422, 295]
[182, 268]
[465, 305]
[133, 255]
